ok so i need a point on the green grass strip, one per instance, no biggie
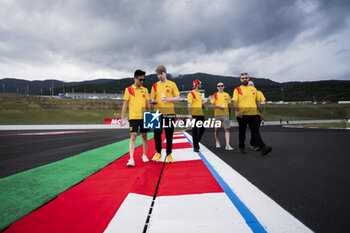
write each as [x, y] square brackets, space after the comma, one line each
[26, 191]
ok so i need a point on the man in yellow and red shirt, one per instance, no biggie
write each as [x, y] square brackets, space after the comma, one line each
[220, 103]
[247, 106]
[261, 99]
[137, 98]
[195, 110]
[163, 95]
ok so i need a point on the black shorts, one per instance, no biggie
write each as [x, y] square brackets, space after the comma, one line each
[137, 126]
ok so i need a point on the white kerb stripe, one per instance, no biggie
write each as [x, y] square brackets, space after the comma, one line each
[184, 155]
[131, 215]
[205, 213]
[271, 215]
[181, 140]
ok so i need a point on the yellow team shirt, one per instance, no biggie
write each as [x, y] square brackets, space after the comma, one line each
[167, 89]
[246, 96]
[195, 98]
[219, 100]
[137, 98]
[261, 96]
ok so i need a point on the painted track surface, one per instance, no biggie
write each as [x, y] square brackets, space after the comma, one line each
[307, 173]
[22, 152]
[309, 182]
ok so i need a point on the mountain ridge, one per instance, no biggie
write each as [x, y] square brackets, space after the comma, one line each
[331, 90]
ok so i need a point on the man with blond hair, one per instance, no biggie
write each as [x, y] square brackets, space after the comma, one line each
[163, 95]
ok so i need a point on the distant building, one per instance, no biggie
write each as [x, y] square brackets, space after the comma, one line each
[344, 102]
[94, 96]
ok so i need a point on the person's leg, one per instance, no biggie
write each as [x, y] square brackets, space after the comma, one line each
[132, 144]
[227, 132]
[169, 132]
[242, 126]
[195, 134]
[144, 143]
[158, 137]
[131, 161]
[216, 134]
[200, 130]
[158, 140]
[254, 127]
[227, 137]
[254, 123]
[252, 137]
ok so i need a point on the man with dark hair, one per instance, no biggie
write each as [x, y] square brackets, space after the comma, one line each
[195, 103]
[245, 101]
[137, 98]
[163, 95]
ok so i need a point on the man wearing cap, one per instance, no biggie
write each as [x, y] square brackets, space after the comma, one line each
[137, 98]
[247, 106]
[195, 110]
[261, 99]
[163, 95]
[220, 103]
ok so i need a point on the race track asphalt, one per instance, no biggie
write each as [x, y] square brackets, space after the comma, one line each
[20, 153]
[307, 173]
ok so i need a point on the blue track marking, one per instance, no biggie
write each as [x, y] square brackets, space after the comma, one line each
[248, 216]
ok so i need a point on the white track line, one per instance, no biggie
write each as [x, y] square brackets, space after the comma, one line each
[205, 213]
[131, 215]
[271, 215]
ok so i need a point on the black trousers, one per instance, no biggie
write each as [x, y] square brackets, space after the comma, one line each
[197, 133]
[254, 123]
[252, 138]
[169, 131]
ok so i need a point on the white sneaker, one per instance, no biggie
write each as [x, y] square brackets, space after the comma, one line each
[144, 158]
[218, 144]
[228, 148]
[130, 163]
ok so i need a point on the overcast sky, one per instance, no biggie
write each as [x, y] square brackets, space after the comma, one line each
[282, 40]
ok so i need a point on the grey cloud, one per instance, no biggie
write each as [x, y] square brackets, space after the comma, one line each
[120, 34]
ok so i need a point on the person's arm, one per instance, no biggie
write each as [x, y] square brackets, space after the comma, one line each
[173, 99]
[153, 96]
[212, 102]
[229, 110]
[239, 113]
[176, 95]
[258, 105]
[148, 103]
[189, 107]
[125, 106]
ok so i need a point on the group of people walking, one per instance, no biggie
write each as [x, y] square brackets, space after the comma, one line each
[246, 101]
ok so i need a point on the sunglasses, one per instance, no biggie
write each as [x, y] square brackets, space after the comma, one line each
[141, 79]
[244, 74]
[220, 85]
